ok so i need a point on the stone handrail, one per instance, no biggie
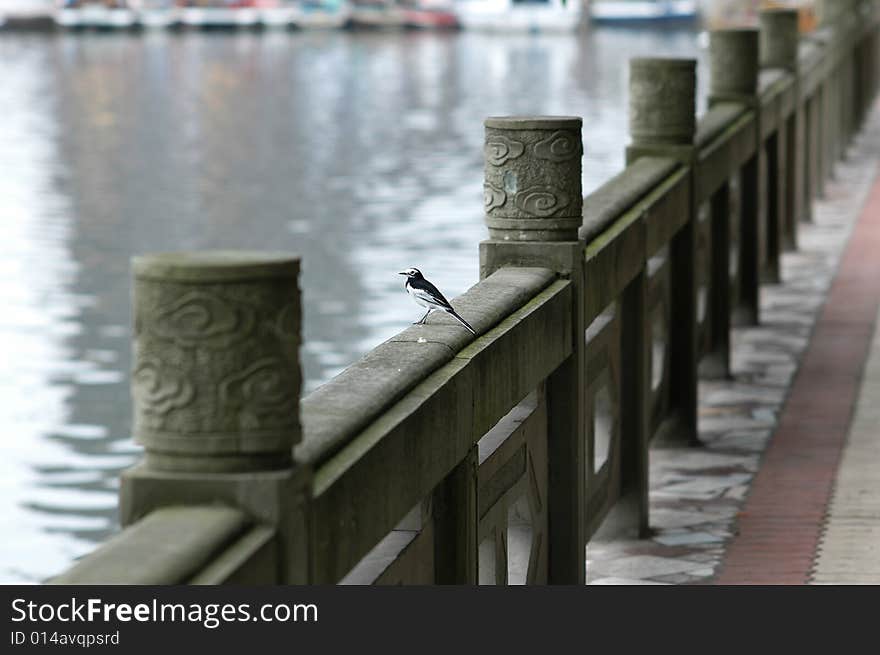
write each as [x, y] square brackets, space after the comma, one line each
[173, 545]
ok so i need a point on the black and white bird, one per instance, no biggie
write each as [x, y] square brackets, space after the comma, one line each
[427, 295]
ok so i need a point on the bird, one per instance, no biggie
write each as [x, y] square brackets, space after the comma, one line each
[427, 295]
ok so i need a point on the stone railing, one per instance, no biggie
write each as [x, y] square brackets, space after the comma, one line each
[442, 458]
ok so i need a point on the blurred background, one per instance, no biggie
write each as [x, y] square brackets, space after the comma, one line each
[350, 133]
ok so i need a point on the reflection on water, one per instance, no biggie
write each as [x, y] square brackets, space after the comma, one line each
[360, 151]
[58, 462]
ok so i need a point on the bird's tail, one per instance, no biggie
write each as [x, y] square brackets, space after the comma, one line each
[462, 321]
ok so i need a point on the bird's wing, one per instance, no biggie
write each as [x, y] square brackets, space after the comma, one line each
[429, 293]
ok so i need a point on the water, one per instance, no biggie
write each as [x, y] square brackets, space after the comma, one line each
[362, 151]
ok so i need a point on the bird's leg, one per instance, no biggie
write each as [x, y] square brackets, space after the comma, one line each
[421, 321]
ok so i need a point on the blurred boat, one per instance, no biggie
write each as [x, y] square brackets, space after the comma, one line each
[376, 14]
[237, 13]
[27, 14]
[632, 11]
[157, 14]
[83, 14]
[277, 14]
[429, 14]
[305, 14]
[323, 14]
[520, 15]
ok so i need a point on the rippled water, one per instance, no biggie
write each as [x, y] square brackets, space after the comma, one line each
[362, 151]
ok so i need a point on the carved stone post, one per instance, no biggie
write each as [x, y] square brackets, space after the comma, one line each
[533, 178]
[823, 37]
[662, 102]
[861, 17]
[534, 205]
[871, 57]
[864, 80]
[780, 40]
[735, 66]
[663, 122]
[216, 387]
[836, 19]
[216, 380]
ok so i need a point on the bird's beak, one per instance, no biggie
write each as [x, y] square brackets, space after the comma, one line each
[402, 273]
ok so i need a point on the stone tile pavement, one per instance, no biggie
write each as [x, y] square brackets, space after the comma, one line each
[697, 495]
[780, 526]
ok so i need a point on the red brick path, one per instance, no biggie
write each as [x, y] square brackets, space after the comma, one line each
[780, 525]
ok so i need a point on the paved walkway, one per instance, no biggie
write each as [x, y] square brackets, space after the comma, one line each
[849, 549]
[786, 489]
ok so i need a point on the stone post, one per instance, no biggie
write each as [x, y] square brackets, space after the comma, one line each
[532, 188]
[216, 386]
[734, 65]
[862, 19]
[534, 206]
[735, 68]
[216, 376]
[837, 18]
[871, 57]
[863, 79]
[662, 102]
[663, 123]
[779, 39]
[662, 120]
[824, 37]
